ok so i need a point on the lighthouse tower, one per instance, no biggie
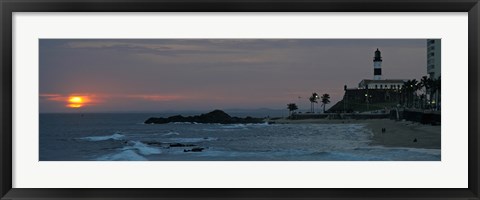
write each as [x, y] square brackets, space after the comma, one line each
[377, 66]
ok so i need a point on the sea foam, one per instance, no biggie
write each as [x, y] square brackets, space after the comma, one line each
[235, 126]
[171, 133]
[115, 136]
[127, 155]
[192, 140]
[142, 148]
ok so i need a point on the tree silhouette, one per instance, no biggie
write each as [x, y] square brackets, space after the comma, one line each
[410, 87]
[405, 92]
[436, 91]
[425, 82]
[313, 99]
[325, 101]
[292, 107]
[416, 87]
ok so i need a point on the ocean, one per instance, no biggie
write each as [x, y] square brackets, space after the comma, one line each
[124, 137]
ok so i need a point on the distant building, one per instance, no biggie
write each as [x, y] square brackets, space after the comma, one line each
[371, 94]
[357, 97]
[434, 63]
[381, 84]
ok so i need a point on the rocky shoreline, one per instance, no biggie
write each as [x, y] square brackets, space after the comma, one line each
[214, 117]
[190, 147]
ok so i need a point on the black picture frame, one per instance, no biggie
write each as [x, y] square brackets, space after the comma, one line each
[8, 7]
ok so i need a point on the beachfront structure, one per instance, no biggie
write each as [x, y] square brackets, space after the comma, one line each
[371, 94]
[434, 58]
[377, 65]
[434, 65]
[363, 96]
[360, 100]
[391, 84]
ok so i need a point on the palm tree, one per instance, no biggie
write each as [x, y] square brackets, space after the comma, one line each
[434, 85]
[325, 100]
[292, 107]
[437, 84]
[411, 86]
[426, 83]
[313, 99]
[422, 100]
[413, 90]
[417, 86]
[405, 93]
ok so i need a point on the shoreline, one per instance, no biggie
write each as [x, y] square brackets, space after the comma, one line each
[397, 133]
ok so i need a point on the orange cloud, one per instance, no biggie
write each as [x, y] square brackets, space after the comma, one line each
[82, 100]
[53, 97]
[72, 100]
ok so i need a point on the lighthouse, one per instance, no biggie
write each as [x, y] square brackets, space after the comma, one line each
[377, 66]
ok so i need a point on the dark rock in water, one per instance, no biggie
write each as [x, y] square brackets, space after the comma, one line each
[177, 145]
[196, 149]
[216, 116]
[181, 145]
[154, 143]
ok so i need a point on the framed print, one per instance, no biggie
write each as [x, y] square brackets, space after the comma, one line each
[245, 100]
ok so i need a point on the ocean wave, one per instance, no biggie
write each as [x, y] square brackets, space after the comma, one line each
[181, 140]
[115, 136]
[183, 123]
[245, 126]
[345, 156]
[260, 124]
[433, 152]
[210, 129]
[386, 154]
[171, 133]
[142, 148]
[127, 155]
[235, 126]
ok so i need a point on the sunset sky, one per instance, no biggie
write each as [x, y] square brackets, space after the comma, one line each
[155, 75]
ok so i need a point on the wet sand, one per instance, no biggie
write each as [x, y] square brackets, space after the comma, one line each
[397, 134]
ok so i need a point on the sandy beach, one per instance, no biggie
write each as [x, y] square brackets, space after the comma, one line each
[397, 133]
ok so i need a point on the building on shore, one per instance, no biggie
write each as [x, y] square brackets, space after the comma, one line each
[381, 84]
[371, 94]
[434, 66]
[434, 63]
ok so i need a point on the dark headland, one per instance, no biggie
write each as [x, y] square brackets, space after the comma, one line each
[214, 117]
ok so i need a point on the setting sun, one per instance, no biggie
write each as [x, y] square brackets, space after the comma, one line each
[74, 105]
[77, 101]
